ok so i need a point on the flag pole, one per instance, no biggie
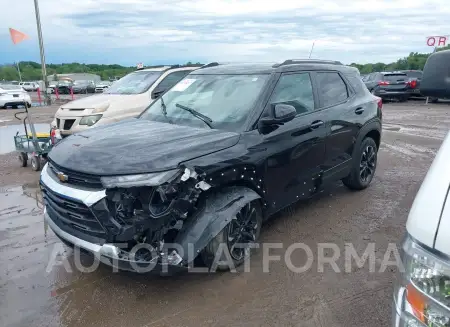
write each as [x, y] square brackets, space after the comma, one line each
[42, 53]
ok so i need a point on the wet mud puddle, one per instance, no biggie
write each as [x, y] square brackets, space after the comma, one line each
[23, 255]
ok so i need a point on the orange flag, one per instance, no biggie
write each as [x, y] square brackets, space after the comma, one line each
[17, 36]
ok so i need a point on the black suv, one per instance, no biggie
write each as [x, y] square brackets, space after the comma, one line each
[390, 85]
[197, 173]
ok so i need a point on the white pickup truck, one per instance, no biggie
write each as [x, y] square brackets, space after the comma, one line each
[422, 292]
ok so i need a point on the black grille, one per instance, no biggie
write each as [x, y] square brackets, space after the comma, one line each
[70, 214]
[76, 178]
[68, 123]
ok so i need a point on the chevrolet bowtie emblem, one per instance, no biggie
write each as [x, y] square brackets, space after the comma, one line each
[62, 177]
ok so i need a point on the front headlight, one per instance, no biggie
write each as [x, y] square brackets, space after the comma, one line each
[426, 281]
[101, 108]
[90, 120]
[152, 179]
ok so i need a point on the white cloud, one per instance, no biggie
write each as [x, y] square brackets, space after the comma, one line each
[229, 30]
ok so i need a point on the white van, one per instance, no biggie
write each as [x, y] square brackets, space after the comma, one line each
[422, 292]
[125, 98]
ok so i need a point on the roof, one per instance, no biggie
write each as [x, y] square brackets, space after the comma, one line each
[268, 68]
[164, 68]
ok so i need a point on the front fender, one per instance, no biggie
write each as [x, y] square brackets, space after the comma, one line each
[220, 208]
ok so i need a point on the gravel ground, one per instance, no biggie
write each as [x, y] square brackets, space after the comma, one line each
[31, 294]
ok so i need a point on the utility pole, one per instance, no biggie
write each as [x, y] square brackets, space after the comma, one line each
[41, 50]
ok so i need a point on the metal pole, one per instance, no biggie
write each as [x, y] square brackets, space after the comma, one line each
[41, 49]
[18, 69]
[312, 48]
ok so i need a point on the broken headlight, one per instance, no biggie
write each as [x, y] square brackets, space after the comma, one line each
[426, 284]
[151, 179]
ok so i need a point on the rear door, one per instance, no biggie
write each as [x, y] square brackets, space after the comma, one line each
[394, 82]
[346, 113]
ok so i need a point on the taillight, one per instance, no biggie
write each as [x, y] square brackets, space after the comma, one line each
[380, 103]
[383, 83]
[412, 84]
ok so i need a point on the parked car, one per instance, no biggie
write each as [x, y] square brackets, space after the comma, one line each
[414, 76]
[126, 98]
[29, 86]
[102, 86]
[13, 96]
[64, 86]
[51, 87]
[390, 85]
[421, 294]
[83, 87]
[212, 158]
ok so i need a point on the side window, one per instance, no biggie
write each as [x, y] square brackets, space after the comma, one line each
[172, 79]
[331, 88]
[295, 90]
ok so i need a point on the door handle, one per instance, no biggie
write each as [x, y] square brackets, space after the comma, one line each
[359, 111]
[316, 124]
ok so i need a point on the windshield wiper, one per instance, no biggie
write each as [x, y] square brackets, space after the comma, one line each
[197, 114]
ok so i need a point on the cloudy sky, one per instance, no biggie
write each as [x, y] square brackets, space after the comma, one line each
[176, 31]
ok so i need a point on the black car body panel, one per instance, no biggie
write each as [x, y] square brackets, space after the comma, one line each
[137, 146]
[276, 164]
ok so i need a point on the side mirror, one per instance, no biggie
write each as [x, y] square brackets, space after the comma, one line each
[157, 93]
[281, 113]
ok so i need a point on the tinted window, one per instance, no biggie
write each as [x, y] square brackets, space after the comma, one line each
[295, 90]
[414, 74]
[331, 88]
[395, 77]
[172, 79]
[356, 83]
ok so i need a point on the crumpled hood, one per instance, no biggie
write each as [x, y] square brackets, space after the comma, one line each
[137, 146]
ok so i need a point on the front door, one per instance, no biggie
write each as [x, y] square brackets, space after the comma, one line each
[296, 150]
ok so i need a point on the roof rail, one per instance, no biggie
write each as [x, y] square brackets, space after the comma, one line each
[307, 61]
[211, 64]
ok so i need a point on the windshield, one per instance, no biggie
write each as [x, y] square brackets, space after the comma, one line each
[224, 99]
[134, 83]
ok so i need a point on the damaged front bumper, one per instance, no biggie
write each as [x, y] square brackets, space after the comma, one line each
[78, 203]
[112, 254]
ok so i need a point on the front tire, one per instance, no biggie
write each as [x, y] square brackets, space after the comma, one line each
[244, 229]
[363, 166]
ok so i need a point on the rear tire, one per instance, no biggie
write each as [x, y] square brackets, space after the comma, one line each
[363, 166]
[434, 100]
[23, 159]
[36, 163]
[243, 229]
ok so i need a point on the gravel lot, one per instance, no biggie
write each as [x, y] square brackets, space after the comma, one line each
[32, 295]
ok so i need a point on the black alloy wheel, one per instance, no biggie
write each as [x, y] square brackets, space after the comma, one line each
[237, 236]
[364, 163]
[242, 231]
[367, 164]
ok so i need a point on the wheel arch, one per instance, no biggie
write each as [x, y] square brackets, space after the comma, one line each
[371, 129]
[220, 206]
